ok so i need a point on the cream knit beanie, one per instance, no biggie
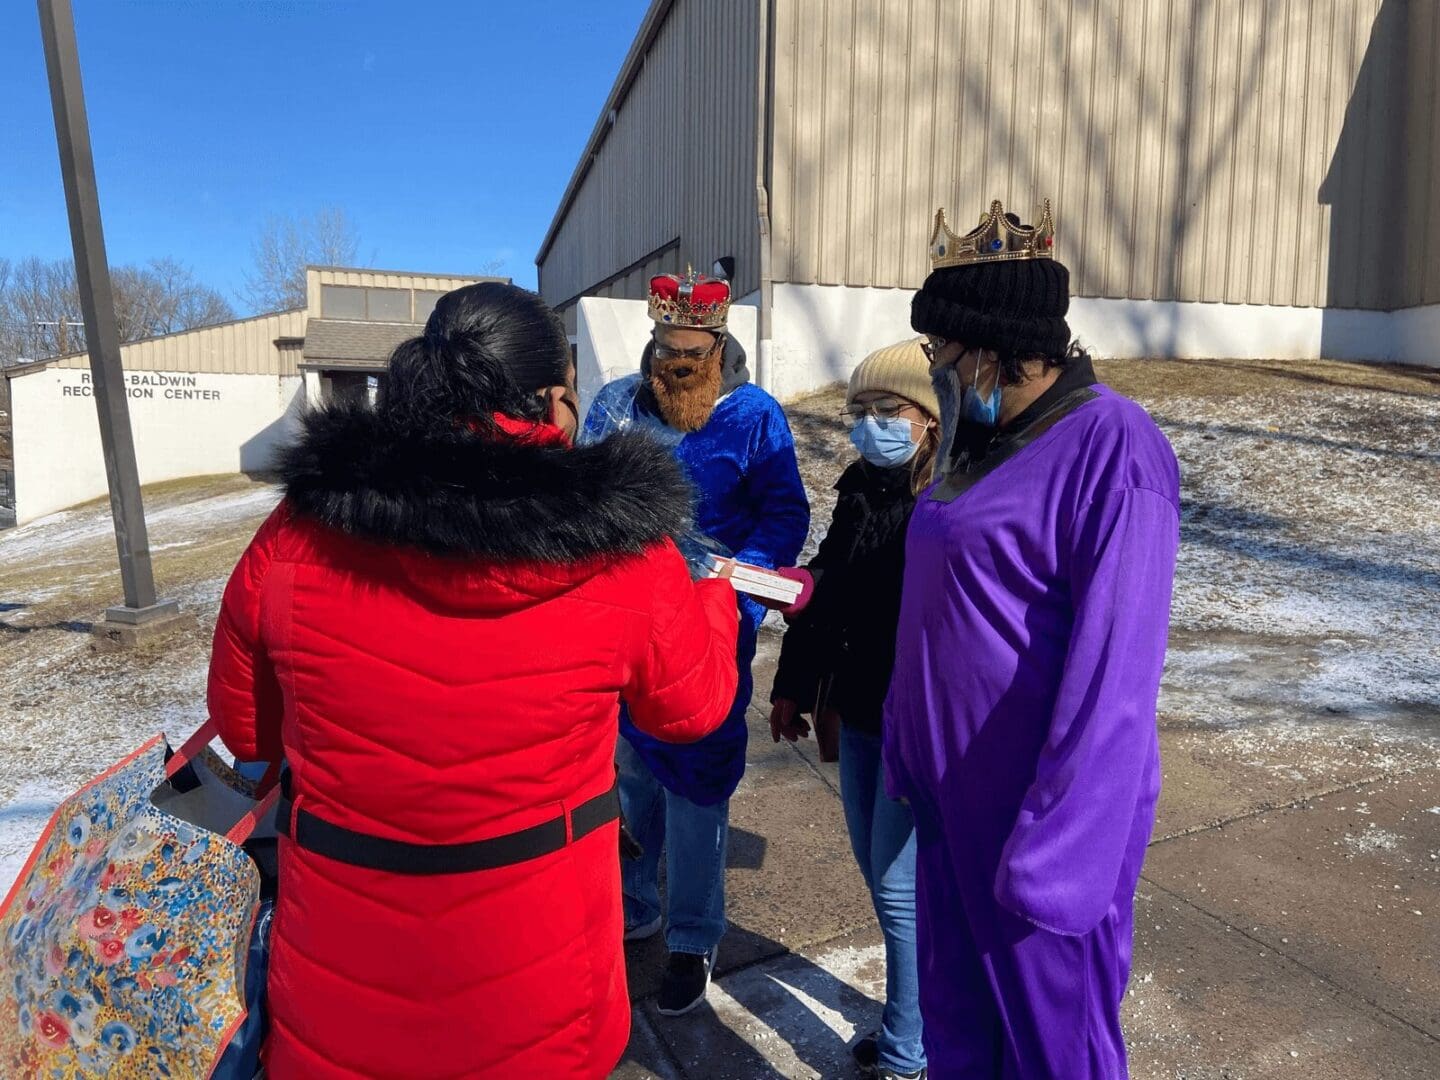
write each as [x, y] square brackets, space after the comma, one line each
[901, 369]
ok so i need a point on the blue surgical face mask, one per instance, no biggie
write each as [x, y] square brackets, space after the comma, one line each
[885, 443]
[982, 410]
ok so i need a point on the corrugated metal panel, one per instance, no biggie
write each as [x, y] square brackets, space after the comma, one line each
[246, 347]
[679, 160]
[1425, 113]
[1246, 151]
[1420, 146]
[387, 279]
[315, 277]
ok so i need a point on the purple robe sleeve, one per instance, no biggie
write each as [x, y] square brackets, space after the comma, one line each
[1098, 772]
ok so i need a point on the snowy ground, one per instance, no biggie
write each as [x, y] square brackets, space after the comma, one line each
[1305, 661]
[67, 712]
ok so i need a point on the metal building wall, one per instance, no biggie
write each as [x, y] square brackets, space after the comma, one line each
[678, 163]
[245, 347]
[1419, 224]
[315, 276]
[1246, 151]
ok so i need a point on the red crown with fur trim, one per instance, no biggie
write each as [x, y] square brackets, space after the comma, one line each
[693, 302]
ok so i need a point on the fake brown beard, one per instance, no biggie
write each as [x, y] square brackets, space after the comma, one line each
[686, 400]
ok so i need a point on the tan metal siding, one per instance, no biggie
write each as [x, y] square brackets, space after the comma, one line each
[1427, 113]
[1421, 112]
[1248, 151]
[679, 161]
[246, 347]
[1420, 146]
[315, 277]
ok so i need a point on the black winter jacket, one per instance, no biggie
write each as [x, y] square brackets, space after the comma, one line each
[846, 635]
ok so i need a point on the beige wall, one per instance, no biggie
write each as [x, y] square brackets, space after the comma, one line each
[634, 284]
[184, 425]
[1266, 152]
[317, 276]
[246, 347]
[1419, 222]
[679, 162]
[1246, 151]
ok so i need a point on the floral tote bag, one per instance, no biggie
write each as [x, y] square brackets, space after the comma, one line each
[125, 942]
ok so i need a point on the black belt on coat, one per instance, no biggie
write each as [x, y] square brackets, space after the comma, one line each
[401, 857]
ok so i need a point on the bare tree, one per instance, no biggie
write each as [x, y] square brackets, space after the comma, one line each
[40, 305]
[286, 245]
[9, 337]
[40, 310]
[163, 297]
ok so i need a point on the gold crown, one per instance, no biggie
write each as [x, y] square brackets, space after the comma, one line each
[995, 239]
[699, 302]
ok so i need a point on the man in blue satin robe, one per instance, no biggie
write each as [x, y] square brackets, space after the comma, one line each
[693, 392]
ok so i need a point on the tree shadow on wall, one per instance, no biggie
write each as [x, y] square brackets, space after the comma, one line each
[1365, 188]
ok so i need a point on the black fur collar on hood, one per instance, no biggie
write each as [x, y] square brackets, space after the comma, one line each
[464, 495]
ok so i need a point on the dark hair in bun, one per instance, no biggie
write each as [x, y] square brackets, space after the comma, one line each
[487, 348]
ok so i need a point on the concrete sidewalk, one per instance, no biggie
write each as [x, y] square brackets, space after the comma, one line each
[1284, 927]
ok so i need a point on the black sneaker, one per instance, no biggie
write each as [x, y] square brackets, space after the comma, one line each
[687, 977]
[866, 1053]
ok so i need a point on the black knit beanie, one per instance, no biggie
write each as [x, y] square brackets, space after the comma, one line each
[1016, 306]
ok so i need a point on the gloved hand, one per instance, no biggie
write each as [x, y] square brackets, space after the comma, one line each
[786, 721]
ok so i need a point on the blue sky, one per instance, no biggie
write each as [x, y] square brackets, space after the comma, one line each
[447, 130]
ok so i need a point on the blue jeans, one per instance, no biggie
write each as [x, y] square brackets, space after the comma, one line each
[882, 834]
[693, 839]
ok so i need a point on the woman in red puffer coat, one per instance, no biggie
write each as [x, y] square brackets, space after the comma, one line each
[434, 630]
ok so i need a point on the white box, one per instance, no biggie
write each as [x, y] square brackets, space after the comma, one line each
[757, 581]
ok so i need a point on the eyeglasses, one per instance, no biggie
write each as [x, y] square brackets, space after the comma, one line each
[664, 352]
[932, 346]
[885, 409]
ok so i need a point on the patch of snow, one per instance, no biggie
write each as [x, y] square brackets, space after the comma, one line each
[1302, 532]
[801, 1014]
[21, 822]
[1372, 839]
[52, 536]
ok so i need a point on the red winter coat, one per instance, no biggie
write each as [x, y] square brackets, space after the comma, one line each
[436, 635]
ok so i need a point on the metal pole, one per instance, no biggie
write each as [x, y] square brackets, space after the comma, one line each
[102, 338]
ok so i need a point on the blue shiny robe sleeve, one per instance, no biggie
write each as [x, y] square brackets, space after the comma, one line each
[774, 488]
[752, 502]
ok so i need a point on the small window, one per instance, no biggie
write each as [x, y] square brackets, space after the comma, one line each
[389, 305]
[425, 300]
[342, 302]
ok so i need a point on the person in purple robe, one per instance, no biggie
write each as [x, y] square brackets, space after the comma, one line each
[1020, 723]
